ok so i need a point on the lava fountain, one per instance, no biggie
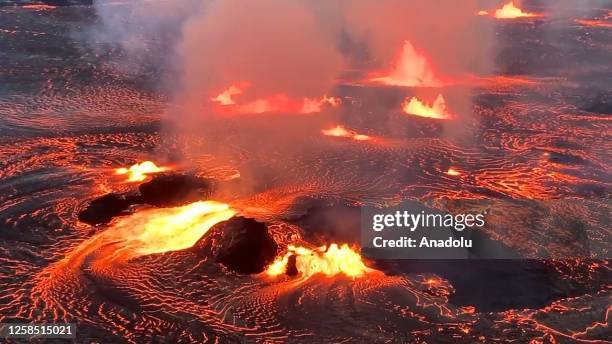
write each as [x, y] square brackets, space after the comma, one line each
[329, 261]
[437, 110]
[139, 172]
[412, 69]
[510, 11]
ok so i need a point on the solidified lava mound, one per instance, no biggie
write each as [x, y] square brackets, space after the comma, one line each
[245, 246]
[174, 189]
[103, 209]
[162, 191]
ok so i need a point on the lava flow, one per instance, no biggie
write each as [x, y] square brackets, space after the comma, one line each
[155, 230]
[170, 229]
[330, 261]
[605, 22]
[139, 172]
[340, 131]
[437, 110]
[412, 69]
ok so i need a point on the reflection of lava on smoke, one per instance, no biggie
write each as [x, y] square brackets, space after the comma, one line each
[276, 103]
[529, 140]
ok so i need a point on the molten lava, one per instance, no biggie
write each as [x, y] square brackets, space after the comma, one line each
[340, 131]
[323, 260]
[139, 172]
[438, 110]
[453, 172]
[510, 11]
[594, 23]
[39, 7]
[169, 229]
[412, 69]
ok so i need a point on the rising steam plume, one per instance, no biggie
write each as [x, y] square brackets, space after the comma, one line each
[288, 50]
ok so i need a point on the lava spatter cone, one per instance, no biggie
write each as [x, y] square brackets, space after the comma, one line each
[103, 209]
[168, 190]
[171, 190]
[243, 245]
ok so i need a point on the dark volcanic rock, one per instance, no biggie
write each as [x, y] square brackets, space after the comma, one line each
[292, 266]
[246, 246]
[103, 209]
[174, 190]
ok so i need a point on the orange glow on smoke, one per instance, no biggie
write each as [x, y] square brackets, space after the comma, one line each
[226, 97]
[282, 103]
[279, 102]
[323, 260]
[139, 172]
[170, 229]
[340, 131]
[438, 110]
[510, 11]
[412, 69]
[482, 13]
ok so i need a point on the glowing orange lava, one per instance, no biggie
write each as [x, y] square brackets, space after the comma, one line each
[139, 172]
[594, 23]
[452, 172]
[438, 110]
[168, 229]
[323, 260]
[510, 11]
[39, 7]
[340, 131]
[412, 69]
